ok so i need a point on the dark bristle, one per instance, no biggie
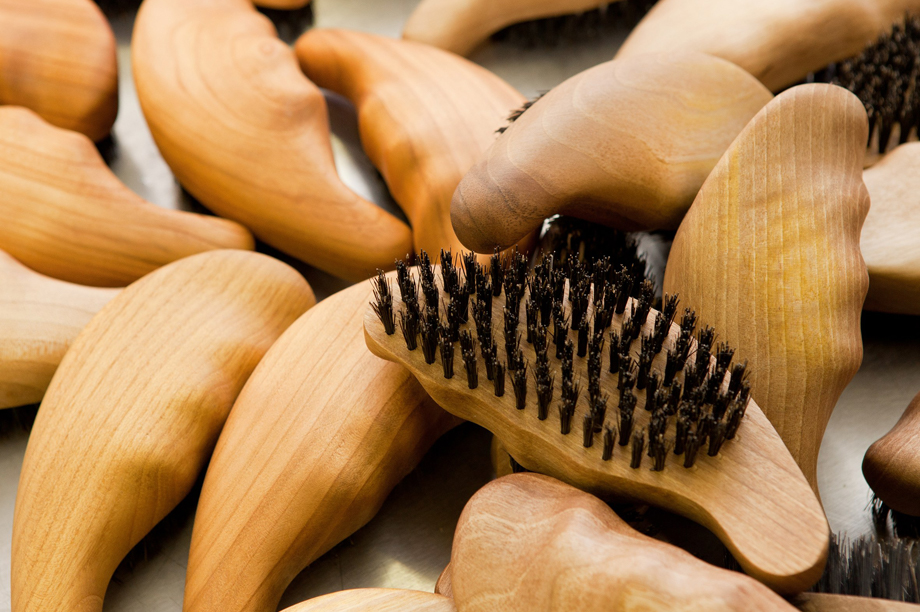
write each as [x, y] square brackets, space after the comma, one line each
[566, 412]
[690, 450]
[472, 372]
[383, 303]
[499, 379]
[587, 424]
[658, 451]
[626, 408]
[447, 357]
[610, 435]
[408, 323]
[637, 448]
[519, 383]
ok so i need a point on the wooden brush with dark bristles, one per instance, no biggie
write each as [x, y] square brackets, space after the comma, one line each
[582, 382]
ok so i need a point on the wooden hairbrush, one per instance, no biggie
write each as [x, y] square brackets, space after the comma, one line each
[892, 464]
[425, 117]
[888, 241]
[248, 135]
[376, 600]
[39, 319]
[625, 144]
[769, 255]
[276, 495]
[460, 26]
[57, 57]
[132, 414]
[529, 543]
[66, 215]
[644, 379]
[778, 41]
[824, 602]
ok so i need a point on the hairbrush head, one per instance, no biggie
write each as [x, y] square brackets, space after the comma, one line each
[687, 436]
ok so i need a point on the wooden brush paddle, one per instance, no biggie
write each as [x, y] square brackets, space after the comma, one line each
[65, 214]
[57, 57]
[824, 602]
[892, 464]
[39, 319]
[376, 600]
[248, 135]
[425, 117]
[132, 414]
[663, 418]
[529, 543]
[460, 26]
[625, 144]
[769, 255]
[319, 436]
[889, 242]
[778, 41]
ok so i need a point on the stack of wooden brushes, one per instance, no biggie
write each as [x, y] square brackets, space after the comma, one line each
[162, 347]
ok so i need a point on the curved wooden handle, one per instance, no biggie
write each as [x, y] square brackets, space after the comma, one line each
[892, 464]
[378, 600]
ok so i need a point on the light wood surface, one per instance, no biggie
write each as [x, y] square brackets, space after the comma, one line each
[425, 117]
[66, 215]
[529, 543]
[39, 319]
[443, 585]
[890, 245]
[376, 600]
[776, 530]
[778, 41]
[769, 256]
[460, 26]
[319, 436]
[285, 5]
[57, 57]
[892, 464]
[626, 143]
[823, 602]
[248, 135]
[132, 414]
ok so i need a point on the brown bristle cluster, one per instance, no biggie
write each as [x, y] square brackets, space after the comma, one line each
[582, 354]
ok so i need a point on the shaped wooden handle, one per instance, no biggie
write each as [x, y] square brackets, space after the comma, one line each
[778, 41]
[892, 464]
[65, 214]
[529, 543]
[300, 467]
[376, 600]
[460, 26]
[57, 57]
[889, 241]
[626, 144]
[132, 414]
[769, 255]
[248, 135]
[425, 117]
[39, 319]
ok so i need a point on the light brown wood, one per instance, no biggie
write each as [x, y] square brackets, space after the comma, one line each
[889, 243]
[376, 600]
[626, 143]
[529, 543]
[823, 602]
[501, 460]
[460, 26]
[39, 319]
[248, 135]
[425, 117]
[133, 413]
[443, 585]
[57, 57]
[769, 255]
[777, 530]
[66, 215]
[285, 5]
[778, 41]
[300, 467]
[892, 464]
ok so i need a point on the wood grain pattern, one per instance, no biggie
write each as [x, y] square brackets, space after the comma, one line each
[57, 57]
[248, 135]
[443, 585]
[823, 602]
[777, 530]
[889, 241]
[66, 215]
[626, 143]
[39, 319]
[319, 436]
[132, 414]
[460, 26]
[778, 41]
[529, 543]
[376, 600]
[769, 256]
[892, 464]
[425, 117]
